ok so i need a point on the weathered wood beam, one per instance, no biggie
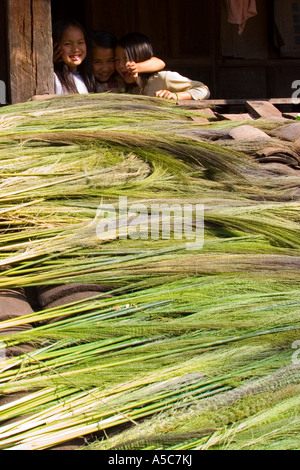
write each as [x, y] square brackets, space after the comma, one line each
[207, 115]
[235, 117]
[194, 104]
[29, 49]
[263, 109]
[239, 101]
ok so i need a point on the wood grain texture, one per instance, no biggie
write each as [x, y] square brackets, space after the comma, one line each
[29, 48]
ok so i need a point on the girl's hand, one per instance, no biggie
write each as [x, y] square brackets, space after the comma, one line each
[56, 53]
[167, 95]
[133, 68]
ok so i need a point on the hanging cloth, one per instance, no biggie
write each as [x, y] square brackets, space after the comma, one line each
[239, 11]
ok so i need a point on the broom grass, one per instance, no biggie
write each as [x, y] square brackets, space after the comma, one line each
[194, 348]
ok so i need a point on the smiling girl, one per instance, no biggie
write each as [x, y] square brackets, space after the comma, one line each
[103, 45]
[73, 71]
[136, 47]
[103, 62]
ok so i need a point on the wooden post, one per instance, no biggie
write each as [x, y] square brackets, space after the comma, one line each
[3, 55]
[30, 53]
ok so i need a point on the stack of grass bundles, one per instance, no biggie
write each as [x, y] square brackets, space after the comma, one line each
[176, 348]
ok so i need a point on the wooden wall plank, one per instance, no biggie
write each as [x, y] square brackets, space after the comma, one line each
[29, 49]
[42, 46]
[103, 15]
[158, 34]
[3, 55]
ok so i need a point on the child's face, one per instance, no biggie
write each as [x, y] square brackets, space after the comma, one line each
[121, 60]
[103, 61]
[73, 47]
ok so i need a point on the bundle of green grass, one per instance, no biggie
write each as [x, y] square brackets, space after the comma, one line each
[179, 345]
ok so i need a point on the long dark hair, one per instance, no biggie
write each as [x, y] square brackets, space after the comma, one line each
[103, 39]
[138, 49]
[62, 70]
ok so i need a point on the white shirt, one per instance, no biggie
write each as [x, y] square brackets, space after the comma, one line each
[80, 85]
[175, 82]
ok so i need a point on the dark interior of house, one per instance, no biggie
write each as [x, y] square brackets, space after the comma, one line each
[197, 41]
